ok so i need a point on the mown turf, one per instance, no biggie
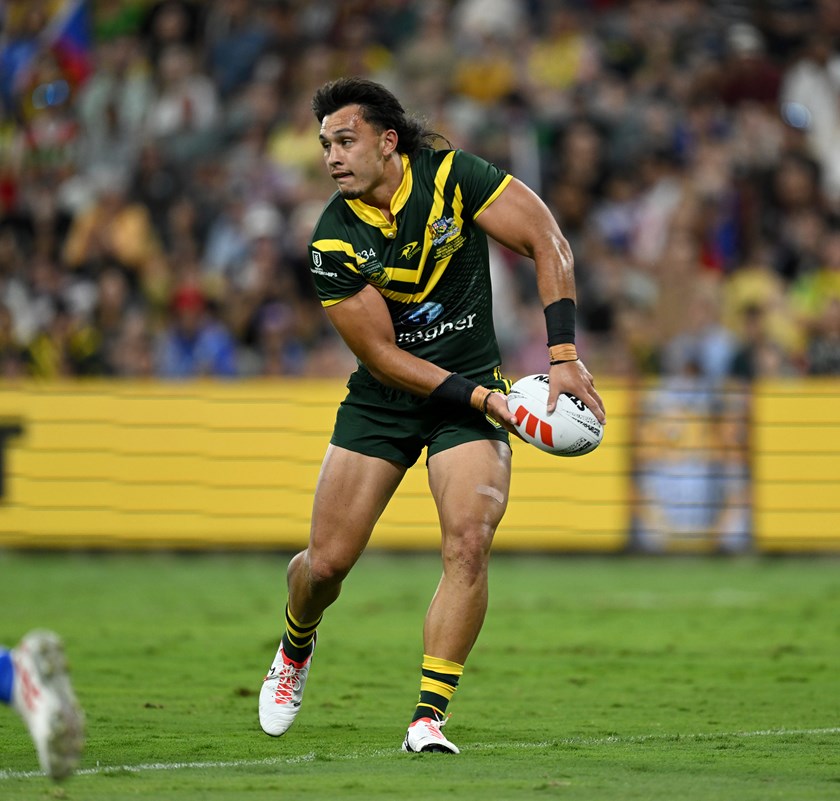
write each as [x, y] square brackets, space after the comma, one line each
[593, 679]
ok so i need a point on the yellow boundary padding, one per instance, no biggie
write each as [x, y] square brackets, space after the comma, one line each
[139, 465]
[795, 437]
[147, 465]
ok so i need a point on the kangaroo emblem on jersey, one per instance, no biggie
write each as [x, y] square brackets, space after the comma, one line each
[410, 250]
[374, 272]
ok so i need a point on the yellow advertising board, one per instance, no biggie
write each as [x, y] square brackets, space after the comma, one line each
[796, 465]
[137, 465]
[207, 465]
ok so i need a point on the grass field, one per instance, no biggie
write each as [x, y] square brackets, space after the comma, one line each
[593, 679]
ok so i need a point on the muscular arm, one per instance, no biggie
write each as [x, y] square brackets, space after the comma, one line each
[519, 220]
[365, 325]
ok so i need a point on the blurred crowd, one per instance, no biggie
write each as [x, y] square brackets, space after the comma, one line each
[160, 174]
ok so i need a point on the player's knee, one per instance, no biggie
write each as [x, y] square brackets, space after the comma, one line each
[327, 571]
[468, 549]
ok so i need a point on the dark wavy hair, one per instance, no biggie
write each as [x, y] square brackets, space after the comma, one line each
[380, 109]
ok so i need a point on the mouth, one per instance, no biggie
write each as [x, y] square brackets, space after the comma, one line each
[338, 175]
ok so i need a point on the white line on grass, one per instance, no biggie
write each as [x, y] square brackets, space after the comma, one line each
[613, 739]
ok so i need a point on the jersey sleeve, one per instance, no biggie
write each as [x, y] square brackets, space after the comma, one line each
[480, 181]
[333, 272]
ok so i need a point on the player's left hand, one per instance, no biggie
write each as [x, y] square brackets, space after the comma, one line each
[497, 408]
[574, 378]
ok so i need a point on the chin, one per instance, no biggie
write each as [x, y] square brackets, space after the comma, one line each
[350, 194]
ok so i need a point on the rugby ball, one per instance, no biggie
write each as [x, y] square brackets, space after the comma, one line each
[570, 430]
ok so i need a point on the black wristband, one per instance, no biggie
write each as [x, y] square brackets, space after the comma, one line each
[560, 322]
[454, 389]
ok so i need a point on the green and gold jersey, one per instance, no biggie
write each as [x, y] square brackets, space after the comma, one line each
[430, 264]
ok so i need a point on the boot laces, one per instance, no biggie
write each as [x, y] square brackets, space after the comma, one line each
[288, 682]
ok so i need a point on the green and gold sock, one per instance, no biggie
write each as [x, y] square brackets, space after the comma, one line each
[299, 638]
[437, 686]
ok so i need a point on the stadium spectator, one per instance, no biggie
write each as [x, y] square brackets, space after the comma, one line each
[264, 305]
[662, 191]
[757, 355]
[563, 57]
[133, 352]
[112, 107]
[813, 291]
[425, 61]
[823, 356]
[615, 212]
[811, 101]
[182, 231]
[184, 113]
[747, 73]
[289, 147]
[756, 284]
[485, 73]
[254, 173]
[156, 183]
[112, 228]
[702, 345]
[67, 346]
[15, 290]
[477, 19]
[226, 244]
[796, 251]
[279, 349]
[171, 22]
[793, 194]
[12, 359]
[235, 39]
[114, 301]
[196, 344]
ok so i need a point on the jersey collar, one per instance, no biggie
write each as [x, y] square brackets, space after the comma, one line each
[375, 217]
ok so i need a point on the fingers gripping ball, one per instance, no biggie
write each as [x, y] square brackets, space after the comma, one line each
[570, 430]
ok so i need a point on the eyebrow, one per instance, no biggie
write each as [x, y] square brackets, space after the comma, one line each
[339, 132]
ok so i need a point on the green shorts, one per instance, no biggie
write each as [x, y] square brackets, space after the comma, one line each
[391, 424]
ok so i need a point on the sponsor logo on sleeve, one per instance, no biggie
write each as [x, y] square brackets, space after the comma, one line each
[317, 267]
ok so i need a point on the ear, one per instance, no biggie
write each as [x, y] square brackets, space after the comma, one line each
[389, 142]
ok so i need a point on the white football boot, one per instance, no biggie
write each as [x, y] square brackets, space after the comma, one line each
[282, 692]
[426, 735]
[44, 698]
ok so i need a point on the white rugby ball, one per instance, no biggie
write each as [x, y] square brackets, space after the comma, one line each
[570, 430]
